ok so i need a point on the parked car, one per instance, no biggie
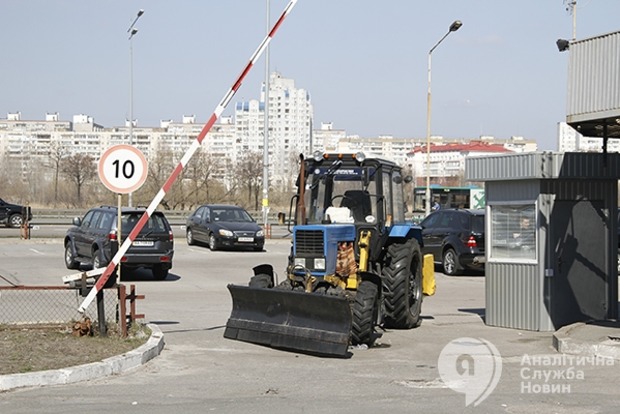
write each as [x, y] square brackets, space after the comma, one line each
[221, 225]
[455, 238]
[13, 215]
[93, 240]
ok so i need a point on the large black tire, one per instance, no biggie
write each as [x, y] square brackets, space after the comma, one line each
[70, 261]
[450, 263]
[365, 312]
[402, 285]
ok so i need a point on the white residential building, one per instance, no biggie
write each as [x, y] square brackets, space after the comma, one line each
[290, 126]
[446, 163]
[569, 140]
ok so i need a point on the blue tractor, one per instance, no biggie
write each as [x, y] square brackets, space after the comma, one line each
[355, 263]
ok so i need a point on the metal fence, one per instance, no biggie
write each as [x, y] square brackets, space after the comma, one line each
[27, 305]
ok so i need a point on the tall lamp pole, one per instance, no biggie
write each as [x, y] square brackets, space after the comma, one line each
[456, 25]
[266, 134]
[132, 31]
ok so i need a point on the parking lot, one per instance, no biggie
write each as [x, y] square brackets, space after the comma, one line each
[200, 371]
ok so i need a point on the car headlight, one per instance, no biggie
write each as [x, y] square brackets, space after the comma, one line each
[226, 233]
[260, 233]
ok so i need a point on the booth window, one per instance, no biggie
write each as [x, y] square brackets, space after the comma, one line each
[513, 232]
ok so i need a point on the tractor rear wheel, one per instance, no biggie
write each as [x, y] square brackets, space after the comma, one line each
[365, 311]
[402, 285]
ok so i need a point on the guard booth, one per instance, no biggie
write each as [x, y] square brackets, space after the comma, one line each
[551, 237]
[551, 229]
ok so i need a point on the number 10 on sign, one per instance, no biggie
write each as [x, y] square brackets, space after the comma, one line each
[122, 169]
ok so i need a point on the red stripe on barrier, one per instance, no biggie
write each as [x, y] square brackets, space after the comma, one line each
[245, 71]
[172, 178]
[138, 227]
[277, 25]
[206, 128]
[101, 281]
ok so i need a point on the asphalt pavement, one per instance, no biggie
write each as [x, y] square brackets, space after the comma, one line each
[189, 367]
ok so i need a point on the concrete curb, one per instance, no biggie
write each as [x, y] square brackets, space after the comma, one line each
[586, 340]
[110, 366]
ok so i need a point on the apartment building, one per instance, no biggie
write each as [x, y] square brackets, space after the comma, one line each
[290, 126]
[291, 132]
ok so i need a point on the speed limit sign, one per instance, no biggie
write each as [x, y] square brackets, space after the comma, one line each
[122, 168]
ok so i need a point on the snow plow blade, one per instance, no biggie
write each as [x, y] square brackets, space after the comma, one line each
[292, 320]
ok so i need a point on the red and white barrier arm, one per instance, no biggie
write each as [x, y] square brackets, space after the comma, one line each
[184, 160]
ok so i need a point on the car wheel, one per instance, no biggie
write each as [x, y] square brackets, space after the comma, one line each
[212, 242]
[450, 263]
[189, 236]
[70, 261]
[159, 272]
[15, 220]
[258, 249]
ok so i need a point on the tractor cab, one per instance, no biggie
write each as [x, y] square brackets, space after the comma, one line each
[349, 188]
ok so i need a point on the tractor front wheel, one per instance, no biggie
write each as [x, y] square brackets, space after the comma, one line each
[365, 312]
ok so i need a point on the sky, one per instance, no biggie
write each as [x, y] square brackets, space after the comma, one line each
[364, 63]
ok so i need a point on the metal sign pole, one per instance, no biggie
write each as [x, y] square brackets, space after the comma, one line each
[118, 234]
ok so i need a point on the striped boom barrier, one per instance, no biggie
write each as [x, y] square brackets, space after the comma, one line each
[184, 160]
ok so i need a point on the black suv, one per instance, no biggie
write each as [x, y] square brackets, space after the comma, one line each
[455, 237]
[94, 240]
[12, 215]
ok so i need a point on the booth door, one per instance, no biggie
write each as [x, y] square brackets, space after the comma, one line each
[578, 289]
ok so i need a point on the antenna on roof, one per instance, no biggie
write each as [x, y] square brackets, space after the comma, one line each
[571, 8]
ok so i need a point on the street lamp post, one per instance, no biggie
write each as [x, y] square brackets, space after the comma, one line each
[132, 31]
[265, 209]
[456, 25]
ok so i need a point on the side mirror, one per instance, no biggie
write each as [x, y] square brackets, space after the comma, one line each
[77, 221]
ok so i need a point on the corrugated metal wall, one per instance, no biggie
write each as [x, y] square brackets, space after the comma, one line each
[514, 296]
[510, 167]
[594, 77]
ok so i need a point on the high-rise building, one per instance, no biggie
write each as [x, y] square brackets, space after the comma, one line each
[290, 127]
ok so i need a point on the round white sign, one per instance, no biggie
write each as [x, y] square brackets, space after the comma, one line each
[122, 168]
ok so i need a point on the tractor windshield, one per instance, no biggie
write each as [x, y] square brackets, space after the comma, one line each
[341, 187]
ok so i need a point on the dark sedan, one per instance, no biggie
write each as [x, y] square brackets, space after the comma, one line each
[224, 226]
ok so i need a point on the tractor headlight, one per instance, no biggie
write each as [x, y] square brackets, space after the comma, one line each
[300, 262]
[226, 233]
[319, 263]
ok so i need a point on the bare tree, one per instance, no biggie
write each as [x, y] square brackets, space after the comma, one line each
[249, 174]
[79, 169]
[57, 153]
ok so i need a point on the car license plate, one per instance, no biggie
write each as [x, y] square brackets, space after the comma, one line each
[142, 243]
[246, 239]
